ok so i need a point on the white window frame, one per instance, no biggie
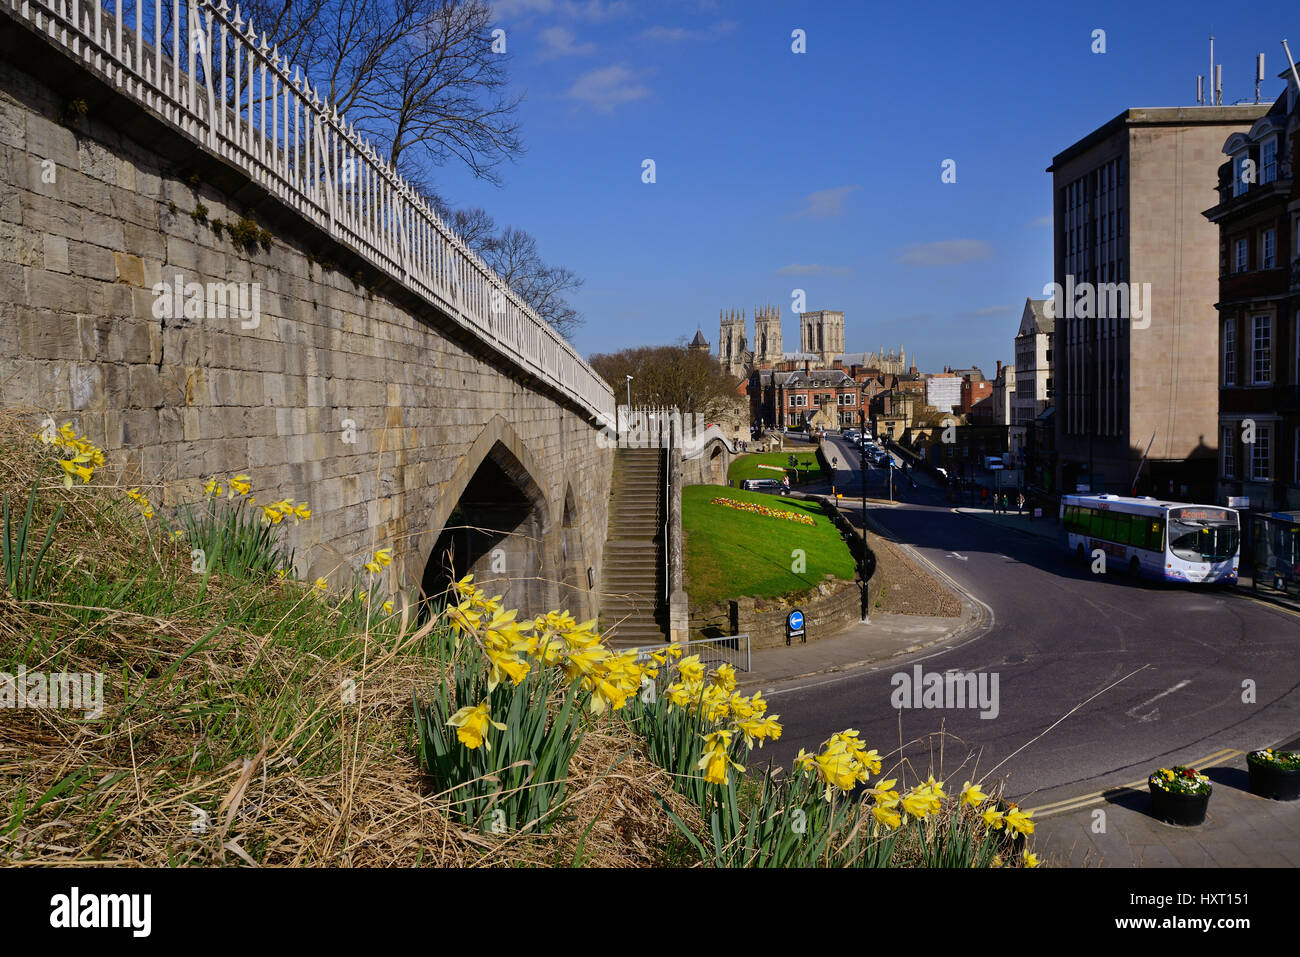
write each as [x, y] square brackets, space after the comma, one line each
[1261, 465]
[1268, 170]
[1240, 258]
[1238, 164]
[1267, 248]
[1228, 451]
[1230, 352]
[1256, 352]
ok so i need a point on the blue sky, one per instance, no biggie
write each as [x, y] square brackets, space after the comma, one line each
[821, 171]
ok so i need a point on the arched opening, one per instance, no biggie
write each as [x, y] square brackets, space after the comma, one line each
[715, 465]
[495, 531]
[573, 593]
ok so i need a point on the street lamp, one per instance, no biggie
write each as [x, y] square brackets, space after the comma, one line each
[629, 390]
[862, 448]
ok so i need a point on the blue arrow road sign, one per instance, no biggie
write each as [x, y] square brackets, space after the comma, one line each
[796, 620]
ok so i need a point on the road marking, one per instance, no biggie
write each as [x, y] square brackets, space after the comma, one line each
[1082, 801]
[955, 555]
[1151, 715]
[1269, 604]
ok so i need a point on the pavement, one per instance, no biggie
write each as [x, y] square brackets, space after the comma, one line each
[1114, 828]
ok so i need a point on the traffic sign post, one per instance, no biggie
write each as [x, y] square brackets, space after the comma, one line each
[794, 627]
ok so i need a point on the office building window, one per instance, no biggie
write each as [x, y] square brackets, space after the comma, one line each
[1268, 161]
[1268, 249]
[1230, 352]
[1260, 454]
[1239, 174]
[1239, 261]
[1261, 350]
[1228, 450]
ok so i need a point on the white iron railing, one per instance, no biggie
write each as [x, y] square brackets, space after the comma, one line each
[226, 89]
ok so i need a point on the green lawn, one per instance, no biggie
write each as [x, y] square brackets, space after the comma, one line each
[746, 466]
[731, 554]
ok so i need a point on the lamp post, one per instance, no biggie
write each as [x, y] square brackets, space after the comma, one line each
[865, 573]
[629, 391]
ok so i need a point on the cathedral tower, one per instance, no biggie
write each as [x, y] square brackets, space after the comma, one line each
[767, 335]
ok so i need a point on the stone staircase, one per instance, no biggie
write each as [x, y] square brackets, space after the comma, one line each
[632, 605]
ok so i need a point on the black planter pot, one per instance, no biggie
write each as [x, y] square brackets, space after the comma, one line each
[1185, 810]
[1270, 781]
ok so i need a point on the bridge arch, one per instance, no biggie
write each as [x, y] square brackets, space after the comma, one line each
[493, 520]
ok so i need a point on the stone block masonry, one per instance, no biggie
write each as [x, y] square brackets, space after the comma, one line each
[343, 391]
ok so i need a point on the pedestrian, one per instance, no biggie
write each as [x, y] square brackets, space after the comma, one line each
[1020, 504]
[1006, 504]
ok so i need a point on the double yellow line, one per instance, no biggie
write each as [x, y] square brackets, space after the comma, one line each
[1078, 803]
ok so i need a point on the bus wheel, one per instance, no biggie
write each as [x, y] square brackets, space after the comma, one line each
[1080, 554]
[1134, 568]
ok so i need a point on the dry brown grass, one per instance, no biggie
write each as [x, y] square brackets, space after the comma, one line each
[218, 713]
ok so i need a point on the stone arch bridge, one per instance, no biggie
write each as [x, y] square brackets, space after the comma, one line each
[209, 272]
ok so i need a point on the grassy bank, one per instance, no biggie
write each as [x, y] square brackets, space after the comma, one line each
[809, 470]
[248, 718]
[731, 552]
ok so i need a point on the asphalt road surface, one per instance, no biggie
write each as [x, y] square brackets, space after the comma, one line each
[1166, 669]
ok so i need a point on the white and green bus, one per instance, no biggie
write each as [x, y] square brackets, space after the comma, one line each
[1148, 538]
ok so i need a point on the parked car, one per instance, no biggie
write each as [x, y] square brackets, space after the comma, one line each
[770, 486]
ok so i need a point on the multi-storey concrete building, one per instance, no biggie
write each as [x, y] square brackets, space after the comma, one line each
[1258, 219]
[1136, 268]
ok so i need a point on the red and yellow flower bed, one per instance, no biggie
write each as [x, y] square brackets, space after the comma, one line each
[757, 509]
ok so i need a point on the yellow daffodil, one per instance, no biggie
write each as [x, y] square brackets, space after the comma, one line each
[388, 607]
[717, 761]
[212, 487]
[1019, 821]
[992, 818]
[242, 484]
[178, 534]
[886, 815]
[884, 795]
[471, 726]
[272, 515]
[725, 678]
[321, 584]
[1031, 860]
[690, 669]
[972, 795]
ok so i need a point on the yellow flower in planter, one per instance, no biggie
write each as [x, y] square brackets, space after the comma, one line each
[471, 726]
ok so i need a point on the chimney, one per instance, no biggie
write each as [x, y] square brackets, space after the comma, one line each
[999, 375]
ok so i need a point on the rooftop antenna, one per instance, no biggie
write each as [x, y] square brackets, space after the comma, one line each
[1259, 73]
[1210, 75]
[1200, 88]
[1218, 84]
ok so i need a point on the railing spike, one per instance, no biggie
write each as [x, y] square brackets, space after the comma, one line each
[263, 48]
[238, 21]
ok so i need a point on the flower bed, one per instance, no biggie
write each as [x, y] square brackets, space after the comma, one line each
[763, 510]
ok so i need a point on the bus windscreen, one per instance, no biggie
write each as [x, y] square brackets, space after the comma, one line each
[1203, 534]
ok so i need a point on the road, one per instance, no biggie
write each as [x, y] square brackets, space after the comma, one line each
[1178, 663]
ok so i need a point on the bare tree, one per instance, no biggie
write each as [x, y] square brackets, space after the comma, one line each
[418, 76]
[513, 255]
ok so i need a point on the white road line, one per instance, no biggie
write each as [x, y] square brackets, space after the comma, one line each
[1151, 715]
